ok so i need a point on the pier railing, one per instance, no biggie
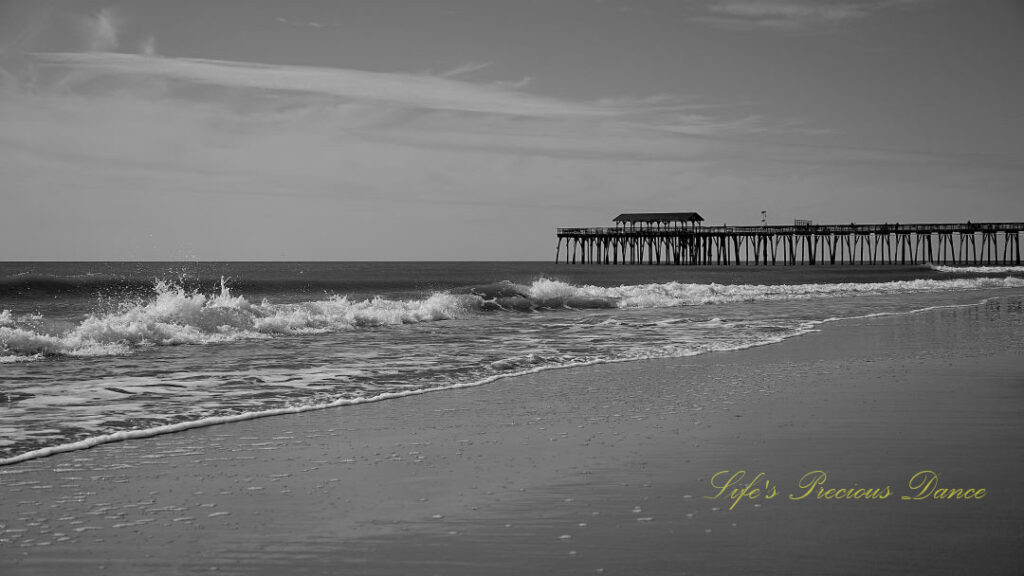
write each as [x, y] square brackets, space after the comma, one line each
[961, 228]
[896, 243]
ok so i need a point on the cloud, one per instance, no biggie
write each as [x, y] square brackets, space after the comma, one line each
[465, 69]
[225, 160]
[794, 14]
[388, 94]
[311, 178]
[311, 24]
[514, 84]
[788, 11]
[101, 30]
[308, 161]
[246, 102]
[229, 160]
[412, 90]
[148, 46]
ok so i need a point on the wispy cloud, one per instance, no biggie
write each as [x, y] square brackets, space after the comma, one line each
[789, 11]
[101, 30]
[148, 46]
[303, 23]
[467, 68]
[413, 90]
[514, 84]
[109, 148]
[389, 93]
[793, 14]
[310, 161]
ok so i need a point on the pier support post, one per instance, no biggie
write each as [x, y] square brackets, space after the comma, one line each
[794, 245]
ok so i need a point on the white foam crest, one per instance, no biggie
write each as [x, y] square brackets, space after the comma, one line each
[6, 318]
[979, 269]
[382, 312]
[553, 293]
[27, 344]
[340, 313]
[914, 311]
[13, 359]
[528, 360]
[175, 316]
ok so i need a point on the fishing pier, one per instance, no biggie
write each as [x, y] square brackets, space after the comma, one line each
[680, 238]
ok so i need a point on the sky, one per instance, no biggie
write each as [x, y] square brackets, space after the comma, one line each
[472, 129]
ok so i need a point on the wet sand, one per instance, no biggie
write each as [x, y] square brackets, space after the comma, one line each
[603, 469]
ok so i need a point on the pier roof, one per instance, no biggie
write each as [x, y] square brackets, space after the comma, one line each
[659, 217]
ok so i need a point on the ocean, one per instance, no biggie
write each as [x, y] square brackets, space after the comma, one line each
[95, 352]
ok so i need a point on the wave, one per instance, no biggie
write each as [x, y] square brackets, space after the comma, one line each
[522, 361]
[511, 367]
[552, 293]
[173, 315]
[979, 269]
[548, 294]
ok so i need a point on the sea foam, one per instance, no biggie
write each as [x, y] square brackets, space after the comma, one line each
[553, 293]
[979, 269]
[174, 316]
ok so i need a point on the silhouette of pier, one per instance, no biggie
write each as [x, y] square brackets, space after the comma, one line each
[680, 238]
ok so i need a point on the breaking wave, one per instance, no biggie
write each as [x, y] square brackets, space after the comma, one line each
[175, 316]
[979, 269]
[552, 293]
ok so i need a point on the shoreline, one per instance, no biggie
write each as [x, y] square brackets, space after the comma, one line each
[514, 466]
[177, 427]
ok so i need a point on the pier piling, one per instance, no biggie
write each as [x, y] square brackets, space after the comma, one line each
[689, 243]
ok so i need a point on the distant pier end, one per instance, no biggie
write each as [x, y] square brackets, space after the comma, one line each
[680, 238]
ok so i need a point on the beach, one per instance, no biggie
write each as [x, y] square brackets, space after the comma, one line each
[597, 469]
[457, 288]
